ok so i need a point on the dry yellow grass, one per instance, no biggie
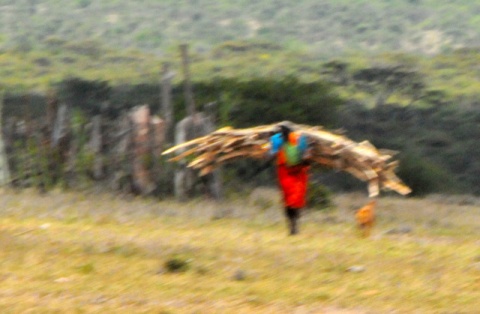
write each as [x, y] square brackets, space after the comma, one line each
[87, 253]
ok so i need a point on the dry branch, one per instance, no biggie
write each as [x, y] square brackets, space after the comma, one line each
[362, 160]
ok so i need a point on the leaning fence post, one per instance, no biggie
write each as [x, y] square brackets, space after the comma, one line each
[4, 169]
[166, 100]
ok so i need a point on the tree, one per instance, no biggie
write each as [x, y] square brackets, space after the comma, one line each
[385, 80]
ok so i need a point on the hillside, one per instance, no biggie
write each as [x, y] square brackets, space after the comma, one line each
[328, 27]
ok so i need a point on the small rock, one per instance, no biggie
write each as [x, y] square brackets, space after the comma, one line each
[99, 300]
[45, 226]
[239, 275]
[356, 269]
[400, 230]
[63, 279]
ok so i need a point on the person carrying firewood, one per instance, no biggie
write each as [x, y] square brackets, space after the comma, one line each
[293, 147]
[290, 149]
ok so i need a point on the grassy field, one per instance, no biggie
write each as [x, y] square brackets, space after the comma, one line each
[97, 253]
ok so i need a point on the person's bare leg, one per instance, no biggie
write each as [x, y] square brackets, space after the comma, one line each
[293, 214]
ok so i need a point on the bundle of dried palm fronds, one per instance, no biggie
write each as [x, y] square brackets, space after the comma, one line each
[328, 149]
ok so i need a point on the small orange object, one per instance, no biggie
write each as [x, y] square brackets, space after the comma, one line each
[365, 217]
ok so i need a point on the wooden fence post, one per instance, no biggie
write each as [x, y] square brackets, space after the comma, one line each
[186, 76]
[95, 145]
[192, 126]
[4, 169]
[166, 100]
[141, 150]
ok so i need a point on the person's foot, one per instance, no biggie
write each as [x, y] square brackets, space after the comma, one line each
[293, 227]
[292, 215]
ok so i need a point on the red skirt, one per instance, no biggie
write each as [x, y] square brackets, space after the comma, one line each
[293, 182]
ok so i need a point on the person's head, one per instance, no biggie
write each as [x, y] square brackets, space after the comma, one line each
[285, 130]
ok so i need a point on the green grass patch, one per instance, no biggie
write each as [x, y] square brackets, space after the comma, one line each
[172, 257]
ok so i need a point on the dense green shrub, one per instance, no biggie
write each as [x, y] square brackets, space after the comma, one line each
[263, 101]
[423, 176]
[86, 95]
[319, 196]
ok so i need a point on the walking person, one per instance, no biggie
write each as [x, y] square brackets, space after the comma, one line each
[290, 149]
